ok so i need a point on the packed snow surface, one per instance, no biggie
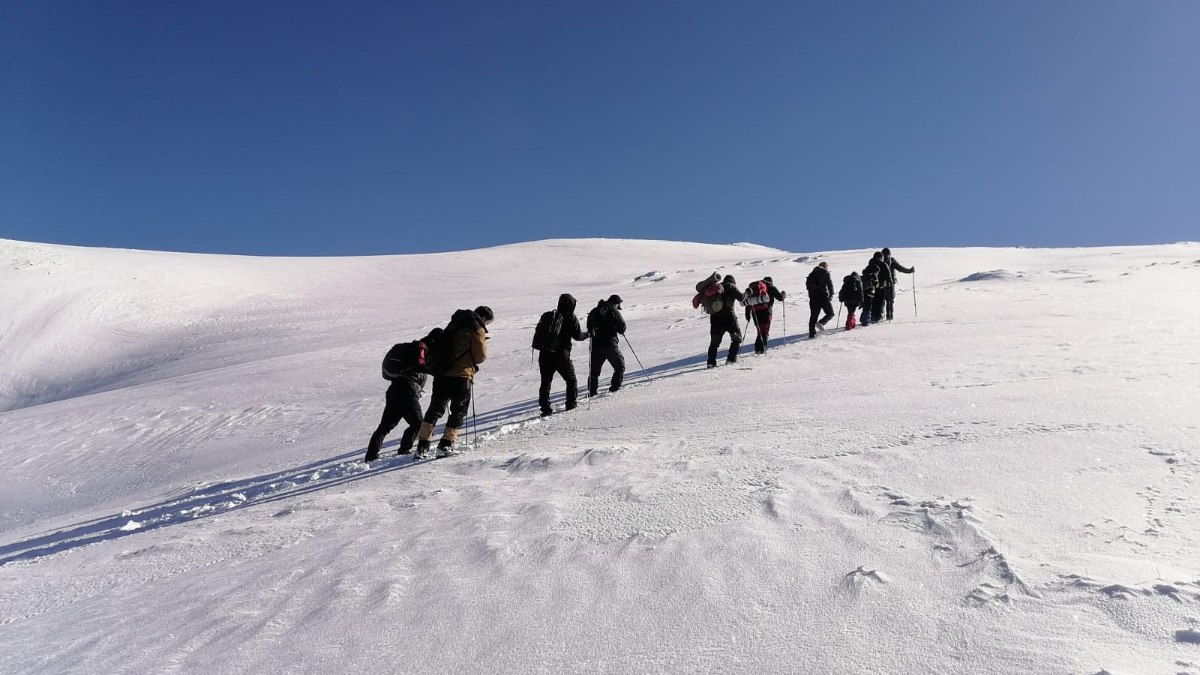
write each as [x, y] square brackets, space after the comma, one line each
[1002, 480]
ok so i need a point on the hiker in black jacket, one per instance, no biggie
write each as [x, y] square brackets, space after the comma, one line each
[893, 266]
[851, 296]
[725, 321]
[403, 400]
[555, 346]
[759, 309]
[870, 286]
[605, 324]
[883, 285]
[820, 297]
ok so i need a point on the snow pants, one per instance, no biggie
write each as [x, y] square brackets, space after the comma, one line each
[815, 306]
[719, 325]
[850, 309]
[452, 391]
[403, 402]
[878, 304]
[556, 363]
[611, 355]
[762, 322]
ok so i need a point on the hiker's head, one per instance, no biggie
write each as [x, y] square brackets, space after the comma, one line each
[485, 314]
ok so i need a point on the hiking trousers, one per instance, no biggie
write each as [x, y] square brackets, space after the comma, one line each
[815, 305]
[600, 356]
[890, 294]
[877, 307]
[403, 402]
[452, 391]
[851, 307]
[762, 322]
[556, 363]
[718, 327]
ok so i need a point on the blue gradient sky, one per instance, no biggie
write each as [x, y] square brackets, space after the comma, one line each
[323, 128]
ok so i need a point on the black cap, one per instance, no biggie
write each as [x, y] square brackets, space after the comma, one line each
[614, 299]
[484, 313]
[768, 280]
[887, 251]
[728, 279]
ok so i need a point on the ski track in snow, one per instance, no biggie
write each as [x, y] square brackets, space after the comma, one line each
[1015, 491]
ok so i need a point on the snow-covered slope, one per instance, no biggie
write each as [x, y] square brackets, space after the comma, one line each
[1006, 484]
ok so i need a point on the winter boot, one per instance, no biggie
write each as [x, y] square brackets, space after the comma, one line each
[373, 447]
[406, 441]
[423, 450]
[446, 448]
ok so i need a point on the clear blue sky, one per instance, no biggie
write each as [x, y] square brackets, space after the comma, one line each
[337, 128]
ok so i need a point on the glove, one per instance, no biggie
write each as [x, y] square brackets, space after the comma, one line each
[783, 295]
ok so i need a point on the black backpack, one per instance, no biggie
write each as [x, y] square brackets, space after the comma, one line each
[849, 293]
[599, 317]
[402, 357]
[545, 335]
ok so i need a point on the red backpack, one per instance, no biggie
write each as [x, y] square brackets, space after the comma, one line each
[757, 295]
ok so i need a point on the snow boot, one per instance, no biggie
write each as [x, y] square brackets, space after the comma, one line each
[373, 447]
[406, 441]
[422, 451]
[445, 449]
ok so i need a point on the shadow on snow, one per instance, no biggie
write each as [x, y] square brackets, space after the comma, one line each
[219, 498]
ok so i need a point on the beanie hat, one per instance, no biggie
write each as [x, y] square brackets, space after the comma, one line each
[768, 280]
[484, 313]
[887, 251]
[614, 299]
[729, 279]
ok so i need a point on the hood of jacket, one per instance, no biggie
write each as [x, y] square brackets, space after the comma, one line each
[566, 304]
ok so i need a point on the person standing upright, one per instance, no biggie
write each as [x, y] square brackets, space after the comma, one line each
[893, 266]
[462, 347]
[883, 286]
[723, 321]
[760, 304]
[820, 297]
[605, 324]
[553, 338]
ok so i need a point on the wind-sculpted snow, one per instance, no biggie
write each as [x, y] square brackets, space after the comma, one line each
[1005, 482]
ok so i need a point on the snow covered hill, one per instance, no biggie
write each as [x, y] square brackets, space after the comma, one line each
[1006, 483]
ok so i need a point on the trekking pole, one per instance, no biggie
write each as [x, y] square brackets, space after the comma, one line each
[785, 334]
[474, 422]
[635, 356]
[915, 294]
[839, 316]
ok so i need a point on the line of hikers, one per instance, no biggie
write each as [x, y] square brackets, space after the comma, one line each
[453, 354]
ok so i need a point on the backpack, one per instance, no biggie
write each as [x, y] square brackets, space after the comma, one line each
[813, 283]
[870, 280]
[849, 292]
[405, 356]
[708, 294]
[599, 317]
[438, 358]
[757, 295]
[545, 334]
